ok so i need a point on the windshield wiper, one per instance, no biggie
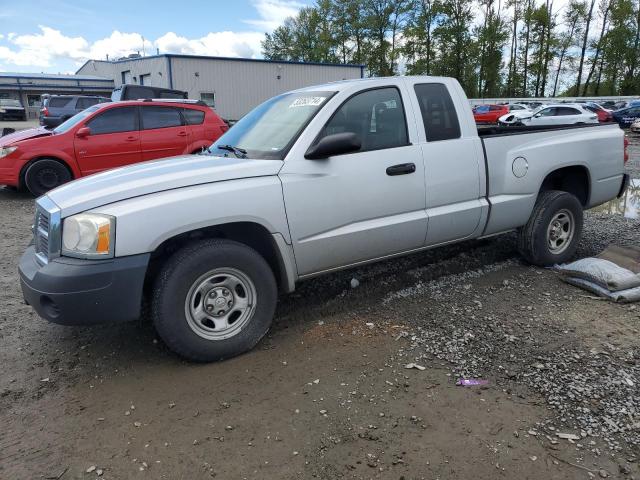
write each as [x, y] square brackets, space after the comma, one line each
[238, 152]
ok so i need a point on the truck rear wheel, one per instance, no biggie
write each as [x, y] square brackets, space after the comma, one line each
[553, 231]
[213, 300]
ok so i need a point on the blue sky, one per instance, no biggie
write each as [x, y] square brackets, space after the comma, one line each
[58, 36]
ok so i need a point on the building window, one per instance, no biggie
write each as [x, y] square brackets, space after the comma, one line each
[34, 101]
[144, 78]
[126, 76]
[208, 98]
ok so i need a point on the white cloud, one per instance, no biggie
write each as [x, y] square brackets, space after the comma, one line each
[224, 44]
[274, 12]
[40, 49]
[117, 45]
[48, 48]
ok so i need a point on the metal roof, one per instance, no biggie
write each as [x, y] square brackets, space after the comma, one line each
[233, 59]
[53, 76]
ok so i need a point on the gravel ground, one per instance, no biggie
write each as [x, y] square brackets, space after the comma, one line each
[326, 394]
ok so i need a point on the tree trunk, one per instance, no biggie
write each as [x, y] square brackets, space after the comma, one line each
[545, 65]
[597, 55]
[526, 51]
[584, 47]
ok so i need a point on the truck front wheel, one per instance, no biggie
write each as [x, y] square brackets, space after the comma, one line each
[214, 299]
[553, 231]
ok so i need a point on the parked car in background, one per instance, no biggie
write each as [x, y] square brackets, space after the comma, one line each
[608, 104]
[489, 113]
[139, 92]
[60, 108]
[12, 109]
[105, 136]
[626, 116]
[518, 107]
[514, 117]
[603, 114]
[561, 114]
[635, 126]
[319, 179]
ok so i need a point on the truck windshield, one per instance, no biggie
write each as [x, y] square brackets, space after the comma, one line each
[269, 130]
[77, 118]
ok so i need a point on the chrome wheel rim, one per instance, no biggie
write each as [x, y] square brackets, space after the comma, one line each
[560, 231]
[220, 303]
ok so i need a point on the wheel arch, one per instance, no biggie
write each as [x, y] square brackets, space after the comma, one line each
[248, 233]
[70, 166]
[573, 179]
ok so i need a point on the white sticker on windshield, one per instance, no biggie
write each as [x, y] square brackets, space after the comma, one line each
[307, 102]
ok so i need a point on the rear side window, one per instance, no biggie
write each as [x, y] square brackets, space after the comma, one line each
[114, 120]
[59, 102]
[86, 103]
[376, 116]
[193, 117]
[438, 112]
[160, 117]
[567, 111]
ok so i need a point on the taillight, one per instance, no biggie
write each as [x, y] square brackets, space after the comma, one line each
[44, 112]
[626, 149]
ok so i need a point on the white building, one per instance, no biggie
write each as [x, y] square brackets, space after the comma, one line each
[233, 86]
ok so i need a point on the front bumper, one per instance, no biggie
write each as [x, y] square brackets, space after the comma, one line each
[71, 291]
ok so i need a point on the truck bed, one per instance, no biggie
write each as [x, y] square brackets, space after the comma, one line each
[533, 153]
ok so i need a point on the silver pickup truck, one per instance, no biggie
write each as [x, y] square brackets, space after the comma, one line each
[311, 181]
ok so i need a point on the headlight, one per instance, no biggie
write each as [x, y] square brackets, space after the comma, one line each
[88, 235]
[4, 151]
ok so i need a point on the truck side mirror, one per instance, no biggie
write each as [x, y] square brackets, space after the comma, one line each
[83, 132]
[335, 144]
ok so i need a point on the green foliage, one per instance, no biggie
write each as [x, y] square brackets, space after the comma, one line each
[493, 47]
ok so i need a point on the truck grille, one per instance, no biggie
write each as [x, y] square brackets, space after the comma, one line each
[46, 230]
[41, 235]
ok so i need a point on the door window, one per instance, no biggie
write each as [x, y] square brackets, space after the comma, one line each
[83, 103]
[547, 112]
[376, 116]
[438, 112]
[567, 111]
[114, 120]
[58, 102]
[160, 117]
[193, 117]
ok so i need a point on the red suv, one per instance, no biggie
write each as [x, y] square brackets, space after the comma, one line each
[489, 113]
[106, 136]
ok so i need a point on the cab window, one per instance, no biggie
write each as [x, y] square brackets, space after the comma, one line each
[376, 116]
[438, 112]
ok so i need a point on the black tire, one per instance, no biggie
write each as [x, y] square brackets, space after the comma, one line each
[44, 175]
[184, 270]
[533, 238]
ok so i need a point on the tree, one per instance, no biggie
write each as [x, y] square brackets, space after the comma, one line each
[585, 40]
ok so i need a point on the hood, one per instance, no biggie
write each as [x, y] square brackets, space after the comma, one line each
[21, 135]
[155, 176]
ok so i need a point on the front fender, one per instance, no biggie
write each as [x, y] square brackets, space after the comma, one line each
[143, 223]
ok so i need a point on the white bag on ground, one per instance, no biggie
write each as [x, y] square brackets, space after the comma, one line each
[620, 296]
[602, 273]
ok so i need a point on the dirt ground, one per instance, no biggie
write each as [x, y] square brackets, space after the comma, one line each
[326, 394]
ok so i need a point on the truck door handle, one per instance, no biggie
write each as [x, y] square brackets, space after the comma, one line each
[182, 134]
[402, 169]
[131, 139]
